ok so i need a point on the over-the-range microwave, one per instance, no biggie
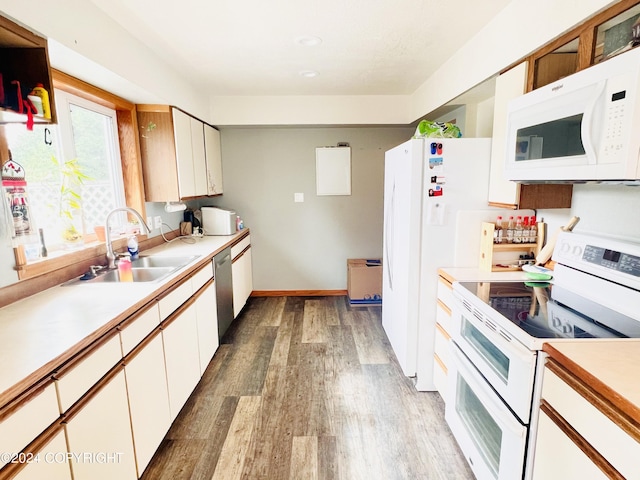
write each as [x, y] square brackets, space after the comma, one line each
[582, 128]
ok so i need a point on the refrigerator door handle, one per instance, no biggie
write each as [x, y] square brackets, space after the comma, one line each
[388, 232]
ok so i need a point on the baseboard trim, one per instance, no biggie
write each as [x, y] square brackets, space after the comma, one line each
[298, 293]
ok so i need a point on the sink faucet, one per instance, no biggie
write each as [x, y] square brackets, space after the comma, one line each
[111, 257]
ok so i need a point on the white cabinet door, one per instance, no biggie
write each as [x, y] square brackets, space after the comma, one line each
[207, 318]
[184, 153]
[52, 462]
[509, 85]
[182, 358]
[214, 160]
[100, 434]
[556, 456]
[148, 400]
[242, 281]
[199, 158]
[20, 428]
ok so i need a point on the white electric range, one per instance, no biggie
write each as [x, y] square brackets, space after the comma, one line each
[500, 327]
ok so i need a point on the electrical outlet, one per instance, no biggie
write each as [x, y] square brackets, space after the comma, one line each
[150, 223]
[157, 221]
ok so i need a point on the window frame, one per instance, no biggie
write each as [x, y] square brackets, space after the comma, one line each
[67, 266]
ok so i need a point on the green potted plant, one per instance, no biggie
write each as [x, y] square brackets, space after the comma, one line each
[70, 200]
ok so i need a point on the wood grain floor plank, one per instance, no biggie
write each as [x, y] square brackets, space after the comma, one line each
[304, 458]
[236, 444]
[366, 334]
[308, 387]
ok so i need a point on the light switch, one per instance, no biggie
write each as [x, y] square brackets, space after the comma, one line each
[298, 197]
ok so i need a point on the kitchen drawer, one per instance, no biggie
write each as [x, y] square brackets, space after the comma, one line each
[445, 292]
[21, 426]
[240, 246]
[176, 297]
[442, 345]
[73, 382]
[614, 444]
[201, 277]
[443, 317]
[134, 330]
[557, 456]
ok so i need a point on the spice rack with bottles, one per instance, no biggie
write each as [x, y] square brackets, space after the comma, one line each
[489, 249]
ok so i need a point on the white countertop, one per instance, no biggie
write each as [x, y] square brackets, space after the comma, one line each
[42, 331]
[610, 367]
[477, 275]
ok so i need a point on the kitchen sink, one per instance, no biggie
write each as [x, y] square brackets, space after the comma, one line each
[144, 269]
[139, 275]
[152, 261]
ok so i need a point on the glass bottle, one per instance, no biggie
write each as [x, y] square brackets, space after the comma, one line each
[498, 231]
[510, 229]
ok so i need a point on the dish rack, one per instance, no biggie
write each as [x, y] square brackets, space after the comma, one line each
[505, 257]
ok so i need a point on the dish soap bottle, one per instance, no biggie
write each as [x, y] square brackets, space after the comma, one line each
[132, 247]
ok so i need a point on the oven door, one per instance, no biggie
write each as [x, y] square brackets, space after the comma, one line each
[490, 436]
[507, 364]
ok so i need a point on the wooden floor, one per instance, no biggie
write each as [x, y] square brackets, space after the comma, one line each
[304, 389]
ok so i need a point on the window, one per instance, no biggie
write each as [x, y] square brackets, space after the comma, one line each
[73, 173]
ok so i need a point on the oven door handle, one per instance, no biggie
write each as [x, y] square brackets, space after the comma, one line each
[485, 397]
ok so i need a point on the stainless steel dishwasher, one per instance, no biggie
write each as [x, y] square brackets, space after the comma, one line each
[224, 290]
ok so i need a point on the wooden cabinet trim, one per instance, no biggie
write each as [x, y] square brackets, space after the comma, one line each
[141, 346]
[623, 421]
[442, 331]
[202, 289]
[18, 402]
[444, 307]
[177, 312]
[580, 442]
[237, 257]
[74, 409]
[440, 363]
[69, 365]
[446, 278]
[11, 470]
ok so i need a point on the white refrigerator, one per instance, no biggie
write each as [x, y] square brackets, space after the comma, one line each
[428, 183]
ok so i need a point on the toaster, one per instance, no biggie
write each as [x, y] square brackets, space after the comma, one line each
[218, 221]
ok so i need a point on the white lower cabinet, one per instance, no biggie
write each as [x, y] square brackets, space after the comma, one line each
[242, 280]
[557, 456]
[579, 435]
[51, 464]
[99, 434]
[207, 321]
[19, 428]
[182, 358]
[148, 399]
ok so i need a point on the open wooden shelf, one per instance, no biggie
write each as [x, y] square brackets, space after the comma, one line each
[488, 248]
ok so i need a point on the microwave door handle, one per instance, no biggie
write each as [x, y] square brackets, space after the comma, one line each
[587, 124]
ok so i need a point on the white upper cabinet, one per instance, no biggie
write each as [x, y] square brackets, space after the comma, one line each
[214, 160]
[509, 85]
[180, 154]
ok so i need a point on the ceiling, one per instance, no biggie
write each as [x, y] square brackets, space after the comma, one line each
[249, 47]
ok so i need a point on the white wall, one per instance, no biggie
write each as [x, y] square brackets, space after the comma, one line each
[305, 246]
[603, 209]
